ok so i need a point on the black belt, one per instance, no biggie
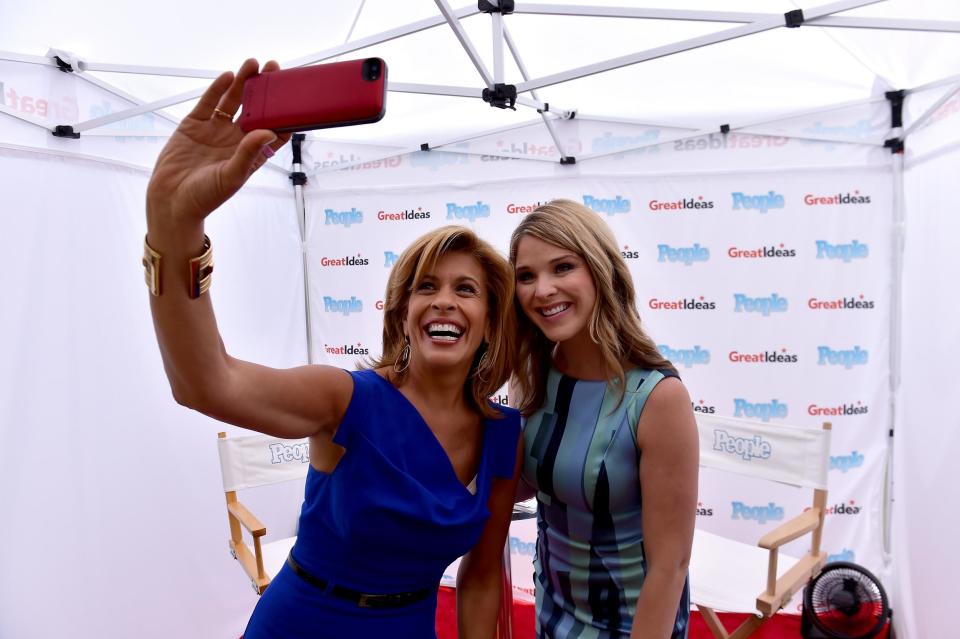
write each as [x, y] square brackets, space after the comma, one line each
[362, 599]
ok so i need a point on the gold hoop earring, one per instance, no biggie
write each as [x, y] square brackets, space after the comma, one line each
[403, 359]
[481, 365]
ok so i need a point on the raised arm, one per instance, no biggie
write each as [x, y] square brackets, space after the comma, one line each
[669, 463]
[206, 161]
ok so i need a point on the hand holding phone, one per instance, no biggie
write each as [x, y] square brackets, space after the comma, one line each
[316, 97]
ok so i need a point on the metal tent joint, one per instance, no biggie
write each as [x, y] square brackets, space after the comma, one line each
[894, 144]
[299, 178]
[63, 65]
[502, 96]
[503, 7]
[793, 19]
[896, 107]
[65, 131]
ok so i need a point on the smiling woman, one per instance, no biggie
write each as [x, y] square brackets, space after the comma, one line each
[610, 443]
[411, 466]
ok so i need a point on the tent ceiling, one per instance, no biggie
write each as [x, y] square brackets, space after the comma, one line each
[772, 73]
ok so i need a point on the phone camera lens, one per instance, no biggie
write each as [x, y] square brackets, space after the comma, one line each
[372, 69]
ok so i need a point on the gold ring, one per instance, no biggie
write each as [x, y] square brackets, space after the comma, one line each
[222, 114]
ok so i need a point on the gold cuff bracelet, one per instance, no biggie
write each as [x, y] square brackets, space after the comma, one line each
[201, 270]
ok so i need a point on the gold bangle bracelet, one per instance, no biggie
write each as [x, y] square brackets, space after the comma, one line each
[151, 268]
[200, 270]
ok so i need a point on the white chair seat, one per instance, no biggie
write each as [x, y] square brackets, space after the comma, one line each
[275, 553]
[727, 575]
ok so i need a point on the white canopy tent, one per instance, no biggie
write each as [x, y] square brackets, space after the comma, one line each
[622, 93]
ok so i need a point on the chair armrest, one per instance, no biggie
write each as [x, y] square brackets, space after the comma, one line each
[796, 527]
[247, 519]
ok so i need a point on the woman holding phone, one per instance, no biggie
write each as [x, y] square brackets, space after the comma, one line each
[410, 465]
[610, 441]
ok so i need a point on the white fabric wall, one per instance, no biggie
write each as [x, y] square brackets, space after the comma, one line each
[927, 439]
[113, 517]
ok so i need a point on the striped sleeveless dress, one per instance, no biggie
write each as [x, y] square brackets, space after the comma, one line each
[581, 455]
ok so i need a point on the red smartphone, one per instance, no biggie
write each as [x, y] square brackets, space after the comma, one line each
[316, 97]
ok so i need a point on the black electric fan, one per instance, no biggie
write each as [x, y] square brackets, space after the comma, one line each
[845, 601]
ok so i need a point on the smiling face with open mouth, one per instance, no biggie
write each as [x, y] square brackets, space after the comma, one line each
[555, 288]
[447, 313]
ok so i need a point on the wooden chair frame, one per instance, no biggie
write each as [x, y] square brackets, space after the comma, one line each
[778, 592]
[253, 558]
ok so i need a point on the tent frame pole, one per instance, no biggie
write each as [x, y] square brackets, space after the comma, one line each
[930, 111]
[759, 26]
[465, 42]
[512, 46]
[692, 15]
[897, 240]
[298, 178]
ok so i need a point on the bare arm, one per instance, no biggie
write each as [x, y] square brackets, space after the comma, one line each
[669, 463]
[479, 580]
[205, 162]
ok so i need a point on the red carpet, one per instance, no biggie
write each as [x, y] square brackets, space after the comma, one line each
[780, 627]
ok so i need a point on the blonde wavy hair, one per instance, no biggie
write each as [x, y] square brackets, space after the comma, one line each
[418, 261]
[614, 321]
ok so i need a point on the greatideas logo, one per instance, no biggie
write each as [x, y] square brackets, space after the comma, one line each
[404, 216]
[692, 203]
[686, 304]
[349, 260]
[763, 252]
[836, 199]
[838, 410]
[851, 303]
[346, 349]
[772, 356]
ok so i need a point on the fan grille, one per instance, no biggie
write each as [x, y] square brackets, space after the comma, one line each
[847, 603]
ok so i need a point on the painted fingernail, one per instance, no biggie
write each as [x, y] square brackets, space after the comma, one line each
[267, 151]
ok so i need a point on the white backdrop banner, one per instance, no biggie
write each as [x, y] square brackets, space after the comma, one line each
[770, 292]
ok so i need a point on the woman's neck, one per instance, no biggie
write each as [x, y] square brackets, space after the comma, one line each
[443, 390]
[580, 357]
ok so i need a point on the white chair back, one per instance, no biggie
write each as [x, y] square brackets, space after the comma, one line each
[259, 460]
[795, 455]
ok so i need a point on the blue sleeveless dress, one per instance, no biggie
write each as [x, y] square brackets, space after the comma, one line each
[390, 518]
[580, 453]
